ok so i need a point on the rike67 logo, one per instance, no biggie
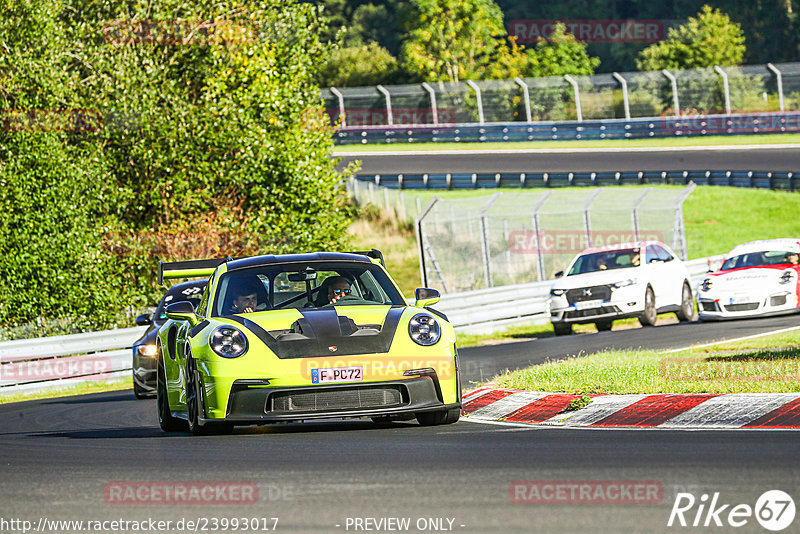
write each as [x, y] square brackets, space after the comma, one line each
[774, 510]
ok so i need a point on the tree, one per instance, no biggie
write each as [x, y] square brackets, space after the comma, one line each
[708, 39]
[456, 40]
[352, 66]
[560, 54]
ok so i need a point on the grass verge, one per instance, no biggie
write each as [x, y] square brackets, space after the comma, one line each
[763, 365]
[716, 140]
[116, 384]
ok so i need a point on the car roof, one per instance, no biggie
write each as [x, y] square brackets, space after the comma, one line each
[621, 246]
[787, 244]
[177, 288]
[256, 261]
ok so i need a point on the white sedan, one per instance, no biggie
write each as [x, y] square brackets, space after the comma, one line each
[631, 280]
[756, 278]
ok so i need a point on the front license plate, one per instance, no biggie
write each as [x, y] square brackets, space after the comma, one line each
[741, 300]
[588, 304]
[337, 374]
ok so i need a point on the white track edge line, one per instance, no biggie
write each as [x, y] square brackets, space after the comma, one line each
[780, 331]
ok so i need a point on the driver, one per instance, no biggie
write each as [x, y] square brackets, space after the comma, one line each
[792, 258]
[245, 299]
[339, 287]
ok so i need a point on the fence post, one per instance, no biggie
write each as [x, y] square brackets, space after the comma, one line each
[635, 212]
[478, 99]
[434, 109]
[527, 94]
[485, 250]
[537, 234]
[340, 96]
[625, 102]
[422, 241]
[389, 116]
[372, 193]
[577, 91]
[675, 102]
[586, 219]
[779, 80]
[725, 87]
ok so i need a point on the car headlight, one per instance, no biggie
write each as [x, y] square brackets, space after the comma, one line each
[557, 292]
[705, 285]
[786, 277]
[424, 330]
[146, 350]
[228, 342]
[625, 283]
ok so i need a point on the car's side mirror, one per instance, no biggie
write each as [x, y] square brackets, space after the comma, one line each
[144, 319]
[426, 297]
[559, 274]
[182, 311]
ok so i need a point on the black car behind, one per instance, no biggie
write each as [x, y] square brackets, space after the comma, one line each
[144, 349]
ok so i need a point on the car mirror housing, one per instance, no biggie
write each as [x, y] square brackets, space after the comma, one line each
[144, 319]
[182, 311]
[426, 297]
[559, 274]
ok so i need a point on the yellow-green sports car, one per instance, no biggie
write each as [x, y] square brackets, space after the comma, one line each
[302, 336]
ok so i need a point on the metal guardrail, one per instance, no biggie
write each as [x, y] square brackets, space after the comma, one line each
[489, 310]
[689, 126]
[784, 181]
[56, 362]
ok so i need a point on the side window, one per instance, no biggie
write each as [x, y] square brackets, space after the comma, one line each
[652, 253]
[202, 307]
[663, 254]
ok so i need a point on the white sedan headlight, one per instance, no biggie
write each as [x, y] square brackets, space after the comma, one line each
[625, 283]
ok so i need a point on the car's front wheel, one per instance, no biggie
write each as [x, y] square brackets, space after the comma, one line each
[193, 408]
[167, 422]
[442, 417]
[686, 313]
[649, 315]
[562, 329]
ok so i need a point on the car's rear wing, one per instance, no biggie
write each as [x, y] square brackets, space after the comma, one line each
[188, 269]
[374, 253]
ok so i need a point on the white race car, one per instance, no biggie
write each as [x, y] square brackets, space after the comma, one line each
[629, 280]
[756, 278]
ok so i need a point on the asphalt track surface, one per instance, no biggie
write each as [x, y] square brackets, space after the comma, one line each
[58, 455]
[783, 159]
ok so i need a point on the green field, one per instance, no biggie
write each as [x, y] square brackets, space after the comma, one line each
[718, 140]
[761, 365]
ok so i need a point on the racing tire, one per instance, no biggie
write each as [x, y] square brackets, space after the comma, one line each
[649, 316]
[686, 313]
[603, 326]
[442, 417]
[562, 329]
[167, 422]
[193, 410]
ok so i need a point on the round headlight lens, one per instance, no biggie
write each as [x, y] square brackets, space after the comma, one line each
[228, 342]
[424, 330]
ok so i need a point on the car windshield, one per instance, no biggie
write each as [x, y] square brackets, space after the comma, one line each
[606, 261]
[760, 259]
[179, 294]
[304, 285]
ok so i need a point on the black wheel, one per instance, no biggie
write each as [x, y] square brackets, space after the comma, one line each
[442, 417]
[649, 316]
[686, 313]
[167, 422]
[603, 326]
[381, 419]
[193, 407]
[562, 329]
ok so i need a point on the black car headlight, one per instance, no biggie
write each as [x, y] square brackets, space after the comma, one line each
[228, 342]
[424, 330]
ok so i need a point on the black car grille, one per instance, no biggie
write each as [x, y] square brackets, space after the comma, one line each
[709, 306]
[778, 300]
[594, 293]
[351, 398]
[750, 306]
[593, 312]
